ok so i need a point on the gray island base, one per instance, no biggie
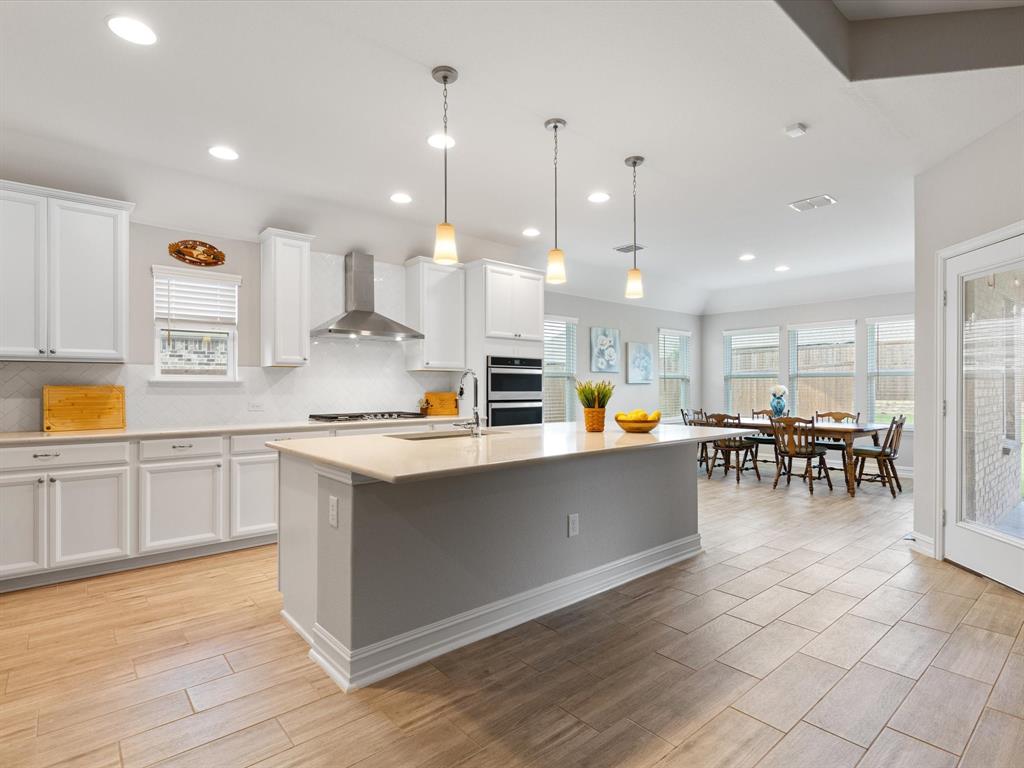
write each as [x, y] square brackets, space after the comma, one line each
[394, 551]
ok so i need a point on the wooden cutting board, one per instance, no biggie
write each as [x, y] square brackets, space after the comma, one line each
[442, 403]
[72, 409]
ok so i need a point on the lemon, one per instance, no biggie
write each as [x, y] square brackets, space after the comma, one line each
[620, 415]
[655, 415]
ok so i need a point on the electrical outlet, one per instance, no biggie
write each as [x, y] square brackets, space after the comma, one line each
[574, 524]
[255, 406]
[332, 511]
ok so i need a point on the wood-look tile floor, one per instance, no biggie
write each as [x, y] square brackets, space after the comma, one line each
[807, 634]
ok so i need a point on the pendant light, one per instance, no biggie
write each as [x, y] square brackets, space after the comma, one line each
[556, 258]
[444, 240]
[634, 280]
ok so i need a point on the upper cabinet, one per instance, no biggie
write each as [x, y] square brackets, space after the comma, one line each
[513, 303]
[435, 303]
[63, 275]
[284, 297]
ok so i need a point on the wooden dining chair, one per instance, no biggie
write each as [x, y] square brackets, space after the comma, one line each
[743, 447]
[835, 444]
[695, 418]
[762, 439]
[885, 456]
[794, 439]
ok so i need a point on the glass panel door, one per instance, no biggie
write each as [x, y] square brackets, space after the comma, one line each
[985, 411]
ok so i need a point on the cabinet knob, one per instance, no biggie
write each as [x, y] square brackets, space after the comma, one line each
[53, 480]
[218, 463]
[42, 351]
[426, 362]
[53, 351]
[40, 481]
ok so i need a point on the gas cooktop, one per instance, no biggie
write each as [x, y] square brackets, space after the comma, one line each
[368, 416]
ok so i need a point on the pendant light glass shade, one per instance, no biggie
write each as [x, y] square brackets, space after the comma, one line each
[556, 267]
[445, 251]
[634, 284]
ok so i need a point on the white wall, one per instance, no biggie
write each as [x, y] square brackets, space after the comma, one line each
[977, 190]
[712, 368]
[635, 323]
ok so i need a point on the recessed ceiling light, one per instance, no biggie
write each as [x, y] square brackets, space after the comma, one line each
[796, 130]
[439, 140]
[599, 197]
[531, 232]
[132, 30]
[222, 152]
[782, 268]
[401, 198]
[810, 203]
[747, 257]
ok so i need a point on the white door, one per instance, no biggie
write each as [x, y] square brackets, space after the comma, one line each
[22, 276]
[984, 394]
[291, 302]
[529, 306]
[444, 316]
[181, 504]
[22, 524]
[253, 494]
[88, 511]
[499, 302]
[88, 279]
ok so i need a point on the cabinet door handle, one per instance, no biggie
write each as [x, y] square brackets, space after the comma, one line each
[182, 445]
[45, 455]
[53, 351]
[53, 480]
[40, 481]
[42, 351]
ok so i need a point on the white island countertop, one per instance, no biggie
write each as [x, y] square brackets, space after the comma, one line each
[397, 460]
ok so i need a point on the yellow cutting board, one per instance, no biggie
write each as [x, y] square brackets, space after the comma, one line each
[442, 404]
[72, 409]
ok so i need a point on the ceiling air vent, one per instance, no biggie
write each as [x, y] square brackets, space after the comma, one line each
[628, 248]
[821, 201]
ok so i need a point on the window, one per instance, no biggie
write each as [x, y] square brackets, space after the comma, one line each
[822, 364]
[559, 368]
[751, 369]
[891, 368]
[673, 372]
[195, 325]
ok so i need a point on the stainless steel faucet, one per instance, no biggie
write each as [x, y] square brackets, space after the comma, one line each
[473, 425]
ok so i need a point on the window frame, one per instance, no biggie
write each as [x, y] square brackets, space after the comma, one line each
[795, 375]
[568, 377]
[728, 376]
[162, 324]
[685, 378]
[872, 371]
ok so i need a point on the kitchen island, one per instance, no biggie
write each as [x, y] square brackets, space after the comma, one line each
[394, 549]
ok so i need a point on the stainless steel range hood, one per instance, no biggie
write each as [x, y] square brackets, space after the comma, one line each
[360, 321]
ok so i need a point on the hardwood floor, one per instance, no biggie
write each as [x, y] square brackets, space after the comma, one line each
[806, 634]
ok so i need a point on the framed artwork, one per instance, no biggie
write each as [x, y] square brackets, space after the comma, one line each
[604, 350]
[639, 362]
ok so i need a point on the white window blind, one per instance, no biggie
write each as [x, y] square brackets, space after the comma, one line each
[751, 367]
[822, 365]
[673, 372]
[890, 368]
[184, 295]
[559, 368]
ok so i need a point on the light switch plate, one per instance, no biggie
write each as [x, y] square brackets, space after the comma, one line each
[574, 524]
[332, 511]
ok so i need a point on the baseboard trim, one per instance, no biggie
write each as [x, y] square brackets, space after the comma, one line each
[355, 668]
[55, 576]
[922, 544]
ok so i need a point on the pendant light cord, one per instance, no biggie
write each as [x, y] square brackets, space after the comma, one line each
[556, 185]
[444, 94]
[634, 216]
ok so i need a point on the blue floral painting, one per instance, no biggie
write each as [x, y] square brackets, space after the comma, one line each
[640, 367]
[604, 350]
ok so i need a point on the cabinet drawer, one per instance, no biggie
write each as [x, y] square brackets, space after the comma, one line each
[69, 455]
[180, 447]
[258, 443]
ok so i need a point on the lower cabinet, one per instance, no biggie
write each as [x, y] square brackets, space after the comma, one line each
[88, 515]
[22, 524]
[181, 504]
[253, 495]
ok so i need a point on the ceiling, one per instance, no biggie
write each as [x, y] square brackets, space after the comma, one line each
[332, 102]
[859, 10]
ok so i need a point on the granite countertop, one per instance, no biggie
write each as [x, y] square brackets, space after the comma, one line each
[397, 460]
[154, 433]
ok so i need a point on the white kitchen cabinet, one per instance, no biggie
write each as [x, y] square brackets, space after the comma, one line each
[22, 524]
[63, 275]
[513, 303]
[253, 494]
[284, 297]
[436, 307]
[181, 504]
[88, 515]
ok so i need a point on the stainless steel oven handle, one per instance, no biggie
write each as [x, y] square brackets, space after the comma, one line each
[503, 369]
[532, 404]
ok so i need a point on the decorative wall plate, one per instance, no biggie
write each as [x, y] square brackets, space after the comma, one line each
[197, 253]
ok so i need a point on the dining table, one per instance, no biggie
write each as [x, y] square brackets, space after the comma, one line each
[842, 431]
